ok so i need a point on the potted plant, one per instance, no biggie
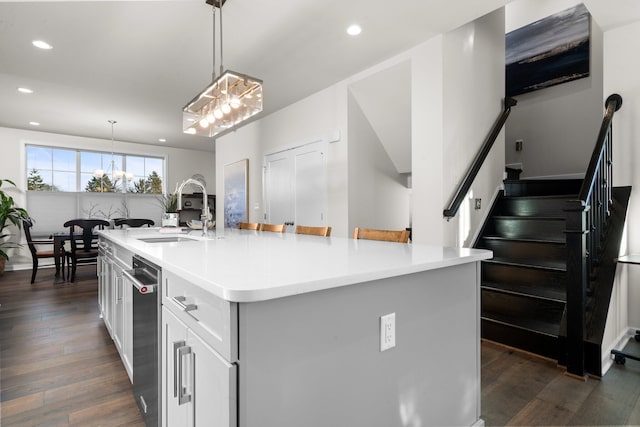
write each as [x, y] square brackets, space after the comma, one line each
[170, 217]
[9, 214]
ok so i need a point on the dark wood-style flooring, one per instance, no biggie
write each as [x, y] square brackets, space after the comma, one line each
[59, 367]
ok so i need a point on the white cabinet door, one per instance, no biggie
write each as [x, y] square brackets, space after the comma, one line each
[213, 385]
[174, 339]
[127, 317]
[198, 385]
[118, 307]
[109, 295]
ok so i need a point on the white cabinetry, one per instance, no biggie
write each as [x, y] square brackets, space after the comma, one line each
[199, 383]
[115, 299]
[105, 284]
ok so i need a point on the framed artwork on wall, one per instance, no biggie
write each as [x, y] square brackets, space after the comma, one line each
[551, 51]
[236, 194]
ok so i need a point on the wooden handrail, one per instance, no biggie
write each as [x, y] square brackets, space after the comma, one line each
[586, 221]
[472, 172]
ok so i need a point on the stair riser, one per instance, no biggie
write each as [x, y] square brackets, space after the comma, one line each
[527, 252]
[542, 187]
[498, 273]
[530, 228]
[543, 345]
[533, 207]
[522, 307]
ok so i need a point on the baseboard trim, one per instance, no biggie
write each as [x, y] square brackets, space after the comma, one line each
[620, 342]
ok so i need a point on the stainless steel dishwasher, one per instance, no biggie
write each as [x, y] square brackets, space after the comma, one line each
[146, 279]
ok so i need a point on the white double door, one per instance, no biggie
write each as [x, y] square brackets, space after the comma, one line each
[296, 186]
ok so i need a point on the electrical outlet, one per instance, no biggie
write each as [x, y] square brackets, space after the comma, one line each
[519, 144]
[478, 204]
[387, 331]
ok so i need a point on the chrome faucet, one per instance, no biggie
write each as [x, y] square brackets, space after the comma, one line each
[205, 203]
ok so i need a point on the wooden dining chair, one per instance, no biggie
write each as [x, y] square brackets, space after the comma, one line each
[276, 228]
[133, 222]
[400, 236]
[313, 231]
[84, 249]
[249, 226]
[37, 254]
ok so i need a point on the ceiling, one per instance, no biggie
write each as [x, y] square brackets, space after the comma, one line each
[139, 62]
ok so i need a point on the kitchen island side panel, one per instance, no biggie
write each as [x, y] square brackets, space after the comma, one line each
[314, 359]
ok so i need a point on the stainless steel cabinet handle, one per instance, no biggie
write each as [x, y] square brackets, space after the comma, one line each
[187, 308]
[176, 356]
[182, 396]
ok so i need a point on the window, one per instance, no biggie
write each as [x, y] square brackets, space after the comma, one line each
[61, 169]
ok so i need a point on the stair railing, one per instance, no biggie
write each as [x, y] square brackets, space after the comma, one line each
[472, 172]
[585, 227]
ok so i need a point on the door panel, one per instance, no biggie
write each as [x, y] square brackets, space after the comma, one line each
[278, 184]
[174, 335]
[213, 381]
[310, 188]
[295, 186]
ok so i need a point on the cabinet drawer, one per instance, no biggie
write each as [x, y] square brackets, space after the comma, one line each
[124, 256]
[214, 319]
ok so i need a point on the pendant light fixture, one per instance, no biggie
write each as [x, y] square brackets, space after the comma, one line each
[231, 99]
[115, 173]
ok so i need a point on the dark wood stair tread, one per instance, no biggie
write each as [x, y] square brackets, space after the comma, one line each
[541, 292]
[524, 239]
[552, 196]
[528, 218]
[533, 325]
[548, 265]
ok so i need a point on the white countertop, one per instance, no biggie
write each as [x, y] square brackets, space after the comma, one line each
[249, 266]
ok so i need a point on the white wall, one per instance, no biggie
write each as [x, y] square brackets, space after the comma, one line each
[559, 124]
[473, 99]
[472, 72]
[180, 164]
[321, 116]
[378, 194]
[621, 65]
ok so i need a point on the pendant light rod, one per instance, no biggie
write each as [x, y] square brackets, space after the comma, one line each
[213, 73]
[220, 3]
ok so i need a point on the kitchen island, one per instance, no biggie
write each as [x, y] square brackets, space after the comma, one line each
[269, 329]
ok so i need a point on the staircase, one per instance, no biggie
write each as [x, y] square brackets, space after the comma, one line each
[524, 285]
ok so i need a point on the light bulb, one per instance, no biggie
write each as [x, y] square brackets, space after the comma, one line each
[235, 102]
[118, 174]
[204, 123]
[218, 113]
[129, 176]
[210, 117]
[98, 173]
[226, 108]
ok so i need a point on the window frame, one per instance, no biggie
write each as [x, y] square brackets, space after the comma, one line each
[78, 171]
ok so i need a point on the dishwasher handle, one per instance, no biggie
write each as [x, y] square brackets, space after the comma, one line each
[141, 287]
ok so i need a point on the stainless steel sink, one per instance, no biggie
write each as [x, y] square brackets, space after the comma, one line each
[166, 239]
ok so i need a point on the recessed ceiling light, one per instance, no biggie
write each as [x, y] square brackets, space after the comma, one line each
[162, 140]
[354, 30]
[34, 123]
[42, 44]
[24, 90]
